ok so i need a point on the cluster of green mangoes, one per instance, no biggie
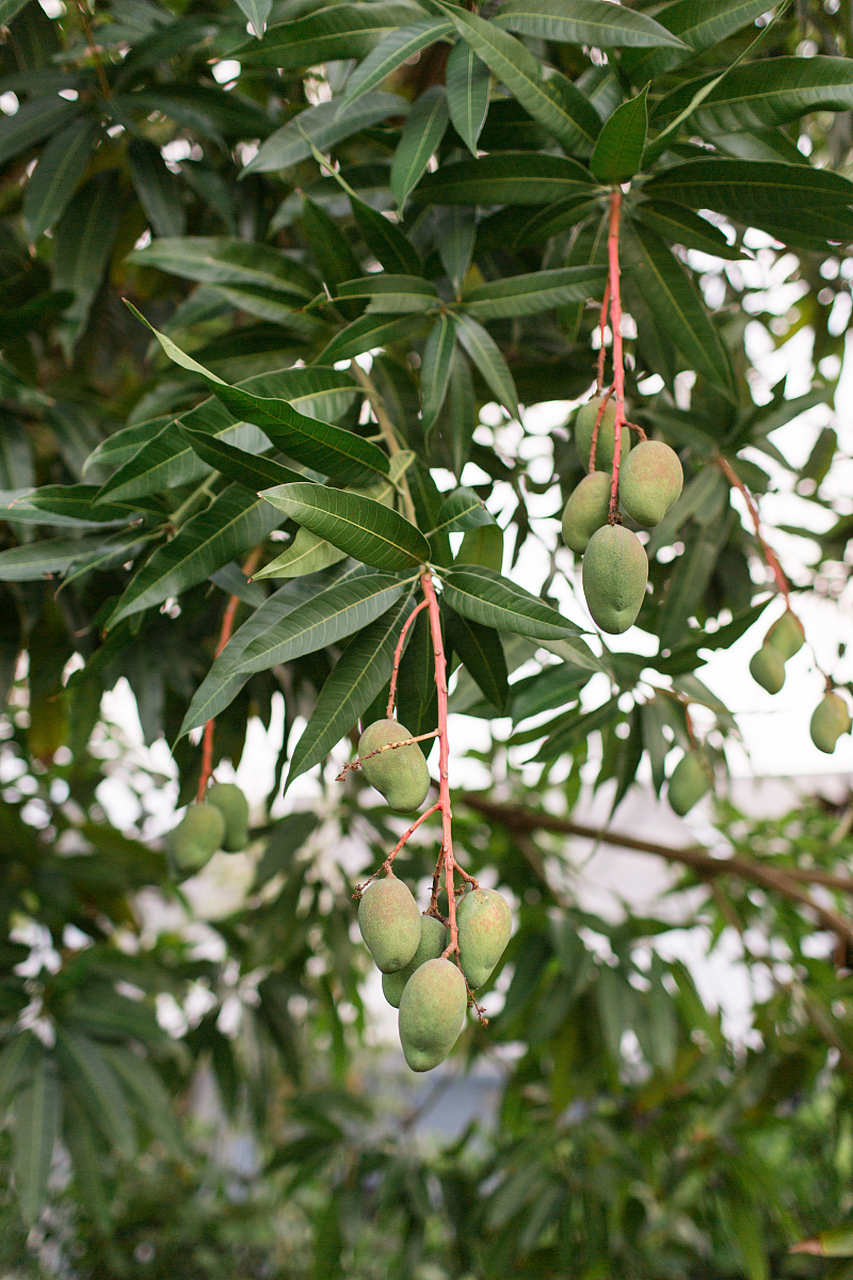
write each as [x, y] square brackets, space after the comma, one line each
[615, 565]
[220, 821]
[783, 640]
[398, 773]
[429, 989]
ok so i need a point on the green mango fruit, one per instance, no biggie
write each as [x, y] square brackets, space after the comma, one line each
[650, 480]
[196, 838]
[586, 510]
[786, 635]
[831, 718]
[432, 943]
[390, 923]
[484, 923]
[234, 807]
[691, 779]
[401, 775]
[615, 573]
[767, 668]
[432, 1011]
[606, 438]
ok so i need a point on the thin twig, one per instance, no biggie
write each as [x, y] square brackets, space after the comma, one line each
[398, 654]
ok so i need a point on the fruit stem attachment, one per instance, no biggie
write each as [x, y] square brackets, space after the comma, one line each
[398, 654]
[767, 551]
[616, 331]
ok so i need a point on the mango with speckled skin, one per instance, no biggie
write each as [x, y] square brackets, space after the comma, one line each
[390, 923]
[484, 923]
[400, 774]
[786, 635]
[432, 943]
[432, 1011]
[234, 807]
[586, 510]
[691, 779]
[831, 718]
[196, 838]
[615, 573]
[650, 481]
[606, 438]
[767, 668]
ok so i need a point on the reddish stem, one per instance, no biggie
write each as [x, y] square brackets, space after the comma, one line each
[768, 552]
[398, 654]
[446, 852]
[595, 426]
[616, 330]
[602, 323]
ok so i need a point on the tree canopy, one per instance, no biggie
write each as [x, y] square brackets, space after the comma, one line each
[285, 285]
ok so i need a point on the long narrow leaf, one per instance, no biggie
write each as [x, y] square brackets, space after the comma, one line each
[362, 527]
[491, 600]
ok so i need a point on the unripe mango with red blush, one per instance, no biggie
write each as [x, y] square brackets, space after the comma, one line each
[400, 774]
[196, 838]
[831, 718]
[432, 943]
[586, 510]
[615, 573]
[432, 1011]
[390, 923]
[234, 807]
[691, 779]
[650, 481]
[605, 441]
[484, 923]
[767, 668]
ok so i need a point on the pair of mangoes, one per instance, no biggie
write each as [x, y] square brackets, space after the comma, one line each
[430, 991]
[399, 773]
[783, 640]
[220, 821]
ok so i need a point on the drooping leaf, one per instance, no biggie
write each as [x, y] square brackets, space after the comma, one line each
[332, 250]
[391, 294]
[386, 241]
[220, 260]
[422, 133]
[55, 178]
[157, 188]
[322, 127]
[83, 243]
[92, 1079]
[32, 122]
[462, 510]
[37, 1119]
[337, 31]
[467, 80]
[248, 469]
[485, 597]
[509, 177]
[368, 332]
[393, 50]
[584, 22]
[459, 418]
[487, 356]
[533, 292]
[482, 653]
[698, 25]
[359, 674]
[436, 364]
[363, 528]
[618, 152]
[680, 225]
[307, 553]
[257, 11]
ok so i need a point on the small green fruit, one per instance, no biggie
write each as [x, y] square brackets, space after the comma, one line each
[234, 807]
[650, 480]
[586, 510]
[767, 668]
[432, 1011]
[786, 635]
[691, 779]
[390, 923]
[831, 718]
[615, 573]
[606, 438]
[196, 838]
[432, 943]
[401, 775]
[484, 923]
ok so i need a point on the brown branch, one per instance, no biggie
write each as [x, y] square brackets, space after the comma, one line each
[767, 551]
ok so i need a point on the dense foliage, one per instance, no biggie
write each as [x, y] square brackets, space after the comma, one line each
[371, 240]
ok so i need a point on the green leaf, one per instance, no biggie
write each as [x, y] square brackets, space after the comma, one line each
[307, 553]
[483, 546]
[362, 527]
[157, 188]
[220, 260]
[574, 729]
[392, 51]
[83, 242]
[332, 250]
[460, 418]
[257, 11]
[385, 240]
[422, 133]
[151, 1099]
[467, 80]
[37, 1118]
[699, 26]
[482, 653]
[436, 364]
[321, 127]
[32, 122]
[390, 293]
[508, 177]
[485, 597]
[556, 103]
[691, 575]
[331, 616]
[169, 460]
[678, 308]
[339, 31]
[234, 522]
[589, 22]
[36, 560]
[557, 217]
[362, 670]
[462, 510]
[680, 225]
[367, 332]
[773, 91]
[214, 112]
[87, 1072]
[618, 153]
[536, 291]
[247, 469]
[9, 9]
[489, 359]
[55, 178]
